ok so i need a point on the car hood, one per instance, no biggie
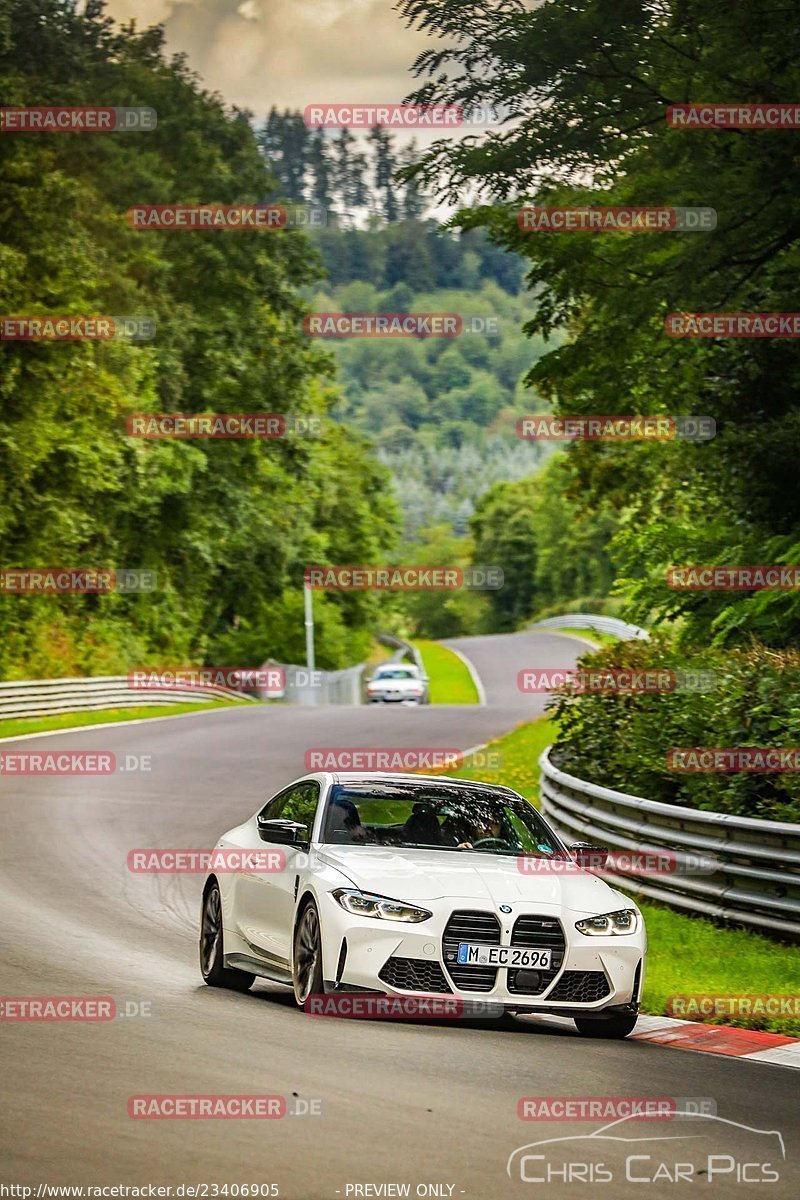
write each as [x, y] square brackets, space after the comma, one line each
[423, 875]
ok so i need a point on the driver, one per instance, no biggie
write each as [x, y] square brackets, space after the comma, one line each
[490, 827]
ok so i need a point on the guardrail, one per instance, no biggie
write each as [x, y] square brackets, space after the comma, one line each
[402, 650]
[309, 688]
[737, 869]
[612, 625]
[45, 697]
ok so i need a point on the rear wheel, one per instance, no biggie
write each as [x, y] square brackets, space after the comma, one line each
[307, 956]
[618, 1026]
[212, 958]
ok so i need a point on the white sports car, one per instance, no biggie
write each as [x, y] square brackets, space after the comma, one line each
[414, 885]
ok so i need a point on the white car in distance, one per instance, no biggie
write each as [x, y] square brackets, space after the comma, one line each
[397, 683]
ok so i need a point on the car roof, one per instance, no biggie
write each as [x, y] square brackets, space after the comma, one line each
[348, 777]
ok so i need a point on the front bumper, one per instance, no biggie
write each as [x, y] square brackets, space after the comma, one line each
[593, 974]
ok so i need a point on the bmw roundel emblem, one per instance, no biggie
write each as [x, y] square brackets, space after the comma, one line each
[505, 908]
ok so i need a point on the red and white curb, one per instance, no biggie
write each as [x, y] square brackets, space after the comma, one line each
[755, 1045]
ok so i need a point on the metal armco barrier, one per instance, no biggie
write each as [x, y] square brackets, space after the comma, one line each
[318, 687]
[402, 650]
[751, 867]
[42, 697]
[612, 625]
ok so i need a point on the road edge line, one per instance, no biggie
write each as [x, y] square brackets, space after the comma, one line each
[26, 737]
[474, 676]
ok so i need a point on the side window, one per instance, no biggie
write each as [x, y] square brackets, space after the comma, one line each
[301, 804]
[294, 804]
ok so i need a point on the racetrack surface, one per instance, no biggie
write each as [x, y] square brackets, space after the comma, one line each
[417, 1103]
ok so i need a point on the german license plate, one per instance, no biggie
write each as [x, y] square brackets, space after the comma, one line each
[470, 954]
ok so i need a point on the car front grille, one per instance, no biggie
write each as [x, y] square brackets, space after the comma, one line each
[480, 927]
[581, 987]
[536, 932]
[413, 975]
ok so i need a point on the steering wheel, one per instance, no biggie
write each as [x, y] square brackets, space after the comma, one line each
[491, 842]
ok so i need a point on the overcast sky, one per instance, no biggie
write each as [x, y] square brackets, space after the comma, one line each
[287, 52]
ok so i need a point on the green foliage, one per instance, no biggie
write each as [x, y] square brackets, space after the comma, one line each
[441, 411]
[551, 547]
[588, 85]
[227, 526]
[441, 614]
[621, 741]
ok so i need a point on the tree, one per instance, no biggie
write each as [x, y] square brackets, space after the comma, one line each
[227, 526]
[589, 85]
[385, 167]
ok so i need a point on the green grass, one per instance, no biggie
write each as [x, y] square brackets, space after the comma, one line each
[687, 955]
[450, 681]
[18, 727]
[520, 752]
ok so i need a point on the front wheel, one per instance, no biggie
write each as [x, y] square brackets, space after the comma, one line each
[307, 957]
[618, 1026]
[212, 957]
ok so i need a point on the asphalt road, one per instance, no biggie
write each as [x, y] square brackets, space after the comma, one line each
[430, 1105]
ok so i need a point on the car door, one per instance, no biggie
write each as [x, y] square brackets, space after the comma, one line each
[265, 899]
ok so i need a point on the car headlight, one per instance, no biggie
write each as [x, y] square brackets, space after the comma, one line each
[626, 920]
[365, 904]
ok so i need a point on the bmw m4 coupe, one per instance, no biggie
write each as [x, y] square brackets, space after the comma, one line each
[415, 885]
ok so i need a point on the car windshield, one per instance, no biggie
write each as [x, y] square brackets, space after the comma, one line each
[436, 817]
[395, 673]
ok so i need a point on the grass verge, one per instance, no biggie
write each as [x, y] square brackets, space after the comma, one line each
[687, 955]
[602, 639]
[18, 727]
[450, 681]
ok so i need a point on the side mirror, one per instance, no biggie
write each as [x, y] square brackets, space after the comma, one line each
[286, 833]
[591, 858]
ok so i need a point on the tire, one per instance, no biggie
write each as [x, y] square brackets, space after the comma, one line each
[618, 1026]
[212, 959]
[307, 955]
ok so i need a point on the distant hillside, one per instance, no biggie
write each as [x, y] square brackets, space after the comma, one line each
[441, 411]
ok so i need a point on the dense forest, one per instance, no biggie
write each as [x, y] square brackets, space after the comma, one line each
[227, 527]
